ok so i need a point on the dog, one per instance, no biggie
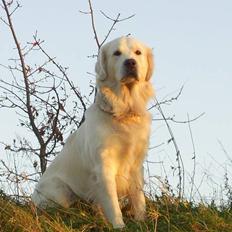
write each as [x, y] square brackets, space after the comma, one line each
[102, 161]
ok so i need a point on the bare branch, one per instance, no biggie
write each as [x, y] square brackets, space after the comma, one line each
[111, 29]
[25, 77]
[179, 121]
[170, 100]
[93, 24]
[67, 79]
[194, 160]
[55, 121]
[179, 160]
[23, 177]
[16, 8]
[118, 20]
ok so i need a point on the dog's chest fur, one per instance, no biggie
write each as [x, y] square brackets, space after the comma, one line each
[130, 141]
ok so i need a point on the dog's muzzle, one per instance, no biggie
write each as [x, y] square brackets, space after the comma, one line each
[130, 70]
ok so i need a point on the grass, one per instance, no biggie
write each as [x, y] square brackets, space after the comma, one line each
[164, 214]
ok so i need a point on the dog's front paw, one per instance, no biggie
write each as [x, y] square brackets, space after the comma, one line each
[118, 223]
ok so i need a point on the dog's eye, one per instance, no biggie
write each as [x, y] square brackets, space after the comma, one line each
[138, 52]
[117, 53]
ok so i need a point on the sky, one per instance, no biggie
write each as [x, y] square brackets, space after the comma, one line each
[192, 46]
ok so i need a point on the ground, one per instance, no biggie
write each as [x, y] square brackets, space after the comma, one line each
[164, 214]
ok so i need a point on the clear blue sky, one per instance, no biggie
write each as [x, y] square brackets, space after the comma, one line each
[192, 46]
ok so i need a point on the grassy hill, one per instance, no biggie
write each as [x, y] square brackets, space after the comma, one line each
[164, 214]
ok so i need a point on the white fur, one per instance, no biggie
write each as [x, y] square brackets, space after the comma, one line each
[103, 160]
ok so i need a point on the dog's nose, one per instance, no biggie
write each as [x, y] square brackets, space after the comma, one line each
[130, 63]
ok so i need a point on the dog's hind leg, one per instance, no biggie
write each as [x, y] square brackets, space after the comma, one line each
[53, 191]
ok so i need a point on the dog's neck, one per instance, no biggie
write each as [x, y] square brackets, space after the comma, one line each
[124, 101]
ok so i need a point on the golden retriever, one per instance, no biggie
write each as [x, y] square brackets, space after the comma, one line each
[102, 161]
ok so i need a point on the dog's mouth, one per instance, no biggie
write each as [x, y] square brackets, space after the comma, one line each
[130, 72]
[130, 76]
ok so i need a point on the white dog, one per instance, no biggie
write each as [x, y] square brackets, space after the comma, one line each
[103, 160]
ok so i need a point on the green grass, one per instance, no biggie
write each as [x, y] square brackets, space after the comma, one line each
[163, 214]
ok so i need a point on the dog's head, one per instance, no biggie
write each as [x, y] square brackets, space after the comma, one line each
[124, 60]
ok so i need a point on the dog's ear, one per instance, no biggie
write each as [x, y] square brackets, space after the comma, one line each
[100, 67]
[150, 62]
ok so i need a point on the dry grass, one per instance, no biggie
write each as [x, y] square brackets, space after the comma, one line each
[163, 214]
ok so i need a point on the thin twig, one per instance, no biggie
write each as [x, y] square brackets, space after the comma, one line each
[179, 160]
[118, 20]
[68, 80]
[179, 121]
[110, 30]
[194, 161]
[170, 100]
[93, 24]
